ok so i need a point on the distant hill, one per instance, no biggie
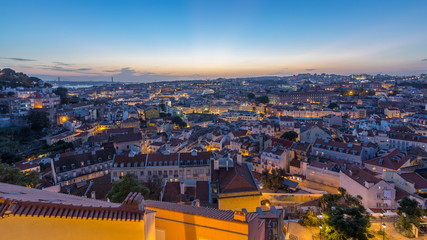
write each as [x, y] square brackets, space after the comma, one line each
[10, 78]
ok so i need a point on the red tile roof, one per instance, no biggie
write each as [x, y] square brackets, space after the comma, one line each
[17, 200]
[394, 160]
[415, 178]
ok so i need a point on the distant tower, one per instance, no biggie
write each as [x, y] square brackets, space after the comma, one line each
[112, 80]
[59, 79]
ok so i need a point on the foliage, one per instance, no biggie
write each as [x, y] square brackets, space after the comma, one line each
[333, 106]
[273, 180]
[344, 217]
[179, 122]
[14, 175]
[346, 223]
[262, 99]
[290, 135]
[9, 158]
[410, 213]
[58, 146]
[251, 96]
[39, 120]
[63, 94]
[122, 188]
[155, 187]
[309, 218]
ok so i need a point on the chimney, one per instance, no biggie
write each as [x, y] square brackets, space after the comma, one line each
[193, 152]
[216, 164]
[196, 203]
[92, 195]
[351, 173]
[226, 163]
[53, 170]
[239, 159]
[134, 200]
[182, 187]
[239, 216]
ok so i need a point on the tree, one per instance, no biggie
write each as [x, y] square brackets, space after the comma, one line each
[63, 94]
[262, 99]
[179, 122]
[251, 96]
[39, 120]
[14, 175]
[333, 106]
[10, 158]
[344, 217]
[410, 213]
[290, 135]
[273, 180]
[122, 188]
[309, 218]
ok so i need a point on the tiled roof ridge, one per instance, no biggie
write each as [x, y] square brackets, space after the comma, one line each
[29, 208]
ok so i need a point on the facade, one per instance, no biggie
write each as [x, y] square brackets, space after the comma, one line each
[348, 152]
[170, 166]
[375, 193]
[175, 222]
[76, 167]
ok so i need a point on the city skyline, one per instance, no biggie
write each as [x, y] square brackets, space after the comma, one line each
[146, 41]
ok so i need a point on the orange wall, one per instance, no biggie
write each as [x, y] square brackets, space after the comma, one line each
[177, 225]
[34, 228]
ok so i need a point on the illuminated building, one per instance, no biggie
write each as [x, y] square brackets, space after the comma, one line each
[233, 185]
[27, 213]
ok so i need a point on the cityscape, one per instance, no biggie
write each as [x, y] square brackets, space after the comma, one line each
[213, 120]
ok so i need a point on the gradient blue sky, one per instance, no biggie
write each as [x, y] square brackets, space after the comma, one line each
[165, 40]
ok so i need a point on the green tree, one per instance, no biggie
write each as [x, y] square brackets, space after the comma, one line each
[333, 106]
[63, 94]
[344, 217]
[39, 119]
[290, 135]
[251, 96]
[122, 188]
[14, 176]
[309, 218]
[262, 99]
[410, 213]
[10, 158]
[179, 122]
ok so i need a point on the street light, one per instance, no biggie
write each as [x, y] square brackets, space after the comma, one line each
[320, 232]
[381, 217]
[384, 226]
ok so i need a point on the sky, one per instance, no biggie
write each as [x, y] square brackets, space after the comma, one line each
[174, 40]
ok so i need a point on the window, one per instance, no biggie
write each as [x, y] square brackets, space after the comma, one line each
[114, 174]
[141, 173]
[149, 173]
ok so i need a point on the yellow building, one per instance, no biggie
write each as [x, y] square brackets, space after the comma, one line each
[233, 185]
[27, 213]
[176, 222]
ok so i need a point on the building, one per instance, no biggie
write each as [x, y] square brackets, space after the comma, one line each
[27, 213]
[374, 192]
[175, 222]
[393, 160]
[233, 185]
[169, 166]
[73, 167]
[348, 152]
